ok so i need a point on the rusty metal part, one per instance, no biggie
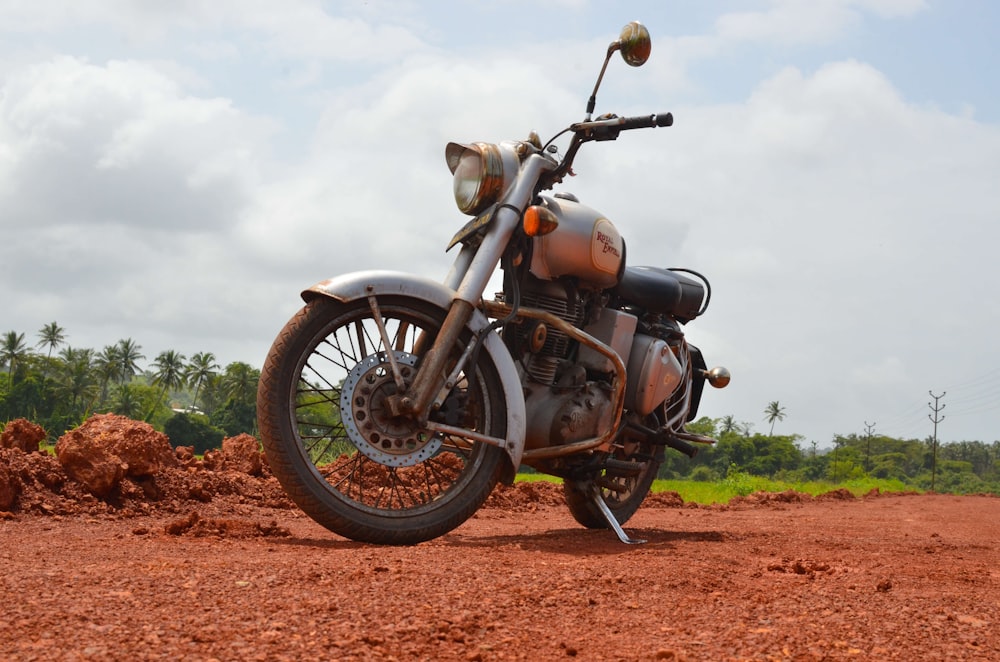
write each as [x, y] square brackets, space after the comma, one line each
[465, 433]
[536, 340]
[602, 442]
[695, 438]
[431, 374]
[377, 316]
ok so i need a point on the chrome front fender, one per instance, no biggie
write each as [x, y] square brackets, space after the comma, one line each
[361, 284]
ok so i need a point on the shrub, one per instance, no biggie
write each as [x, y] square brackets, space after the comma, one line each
[703, 474]
[193, 430]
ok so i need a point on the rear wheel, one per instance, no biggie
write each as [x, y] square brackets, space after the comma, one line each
[623, 487]
[339, 453]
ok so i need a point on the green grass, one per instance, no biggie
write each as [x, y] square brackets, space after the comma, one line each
[742, 484]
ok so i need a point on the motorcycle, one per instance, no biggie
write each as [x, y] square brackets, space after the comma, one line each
[390, 405]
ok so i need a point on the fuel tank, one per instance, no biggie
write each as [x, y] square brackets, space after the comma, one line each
[585, 245]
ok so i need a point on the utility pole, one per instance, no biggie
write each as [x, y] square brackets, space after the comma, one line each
[869, 428]
[936, 418]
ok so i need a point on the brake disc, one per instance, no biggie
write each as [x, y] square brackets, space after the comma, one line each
[395, 441]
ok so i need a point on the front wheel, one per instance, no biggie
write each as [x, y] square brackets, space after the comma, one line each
[338, 452]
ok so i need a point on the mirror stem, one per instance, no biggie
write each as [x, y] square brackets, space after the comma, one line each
[592, 102]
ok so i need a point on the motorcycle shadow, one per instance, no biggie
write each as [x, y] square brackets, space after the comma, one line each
[585, 542]
[570, 541]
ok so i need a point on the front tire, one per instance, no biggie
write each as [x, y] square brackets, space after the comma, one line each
[338, 453]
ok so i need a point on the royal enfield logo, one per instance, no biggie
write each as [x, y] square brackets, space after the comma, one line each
[609, 243]
[606, 247]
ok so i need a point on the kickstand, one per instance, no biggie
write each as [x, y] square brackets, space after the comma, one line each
[595, 496]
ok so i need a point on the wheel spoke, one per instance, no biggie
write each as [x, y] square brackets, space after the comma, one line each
[399, 342]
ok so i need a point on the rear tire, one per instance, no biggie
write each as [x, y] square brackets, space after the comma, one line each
[622, 494]
[338, 453]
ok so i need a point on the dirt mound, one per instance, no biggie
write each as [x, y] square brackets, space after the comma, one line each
[769, 499]
[197, 526]
[114, 465]
[23, 435]
[108, 447]
[525, 496]
[837, 495]
[664, 500]
[240, 453]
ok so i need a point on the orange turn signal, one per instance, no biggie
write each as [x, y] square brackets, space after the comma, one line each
[539, 221]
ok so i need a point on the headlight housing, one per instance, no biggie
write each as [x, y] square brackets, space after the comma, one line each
[482, 171]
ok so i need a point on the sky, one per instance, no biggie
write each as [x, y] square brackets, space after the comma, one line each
[176, 173]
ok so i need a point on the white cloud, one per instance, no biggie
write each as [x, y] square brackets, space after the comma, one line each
[807, 21]
[96, 144]
[291, 29]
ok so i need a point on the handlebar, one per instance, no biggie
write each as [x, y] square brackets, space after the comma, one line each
[608, 128]
[603, 128]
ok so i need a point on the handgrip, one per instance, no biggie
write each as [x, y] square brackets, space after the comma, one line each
[647, 121]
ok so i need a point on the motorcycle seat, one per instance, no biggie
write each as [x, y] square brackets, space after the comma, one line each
[661, 291]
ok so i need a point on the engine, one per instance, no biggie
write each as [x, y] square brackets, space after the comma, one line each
[567, 385]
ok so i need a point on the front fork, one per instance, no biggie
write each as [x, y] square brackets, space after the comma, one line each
[469, 276]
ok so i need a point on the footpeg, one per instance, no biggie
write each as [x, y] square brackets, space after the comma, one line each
[595, 496]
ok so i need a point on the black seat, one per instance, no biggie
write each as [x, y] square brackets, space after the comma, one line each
[661, 291]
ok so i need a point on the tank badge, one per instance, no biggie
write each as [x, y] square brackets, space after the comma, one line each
[606, 247]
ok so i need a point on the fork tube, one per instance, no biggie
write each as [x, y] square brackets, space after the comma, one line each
[505, 221]
[474, 274]
[460, 267]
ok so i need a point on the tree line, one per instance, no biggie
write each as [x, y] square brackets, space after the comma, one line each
[960, 467]
[194, 400]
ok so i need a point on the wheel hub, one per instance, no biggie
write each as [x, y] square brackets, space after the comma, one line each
[394, 441]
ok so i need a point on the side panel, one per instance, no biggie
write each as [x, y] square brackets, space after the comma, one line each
[359, 285]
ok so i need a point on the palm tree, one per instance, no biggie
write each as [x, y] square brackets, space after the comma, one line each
[728, 424]
[126, 402]
[239, 386]
[774, 412]
[240, 383]
[128, 359]
[201, 369]
[169, 374]
[13, 351]
[77, 382]
[107, 364]
[52, 335]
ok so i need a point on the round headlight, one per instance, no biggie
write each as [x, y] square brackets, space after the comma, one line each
[479, 175]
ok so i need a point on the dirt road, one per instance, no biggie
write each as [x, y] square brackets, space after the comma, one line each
[781, 578]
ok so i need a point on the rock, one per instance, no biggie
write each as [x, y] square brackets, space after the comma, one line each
[143, 450]
[184, 455]
[23, 434]
[108, 447]
[10, 488]
[90, 461]
[213, 460]
[242, 453]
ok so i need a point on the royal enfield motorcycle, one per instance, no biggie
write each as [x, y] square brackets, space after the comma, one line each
[391, 405]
